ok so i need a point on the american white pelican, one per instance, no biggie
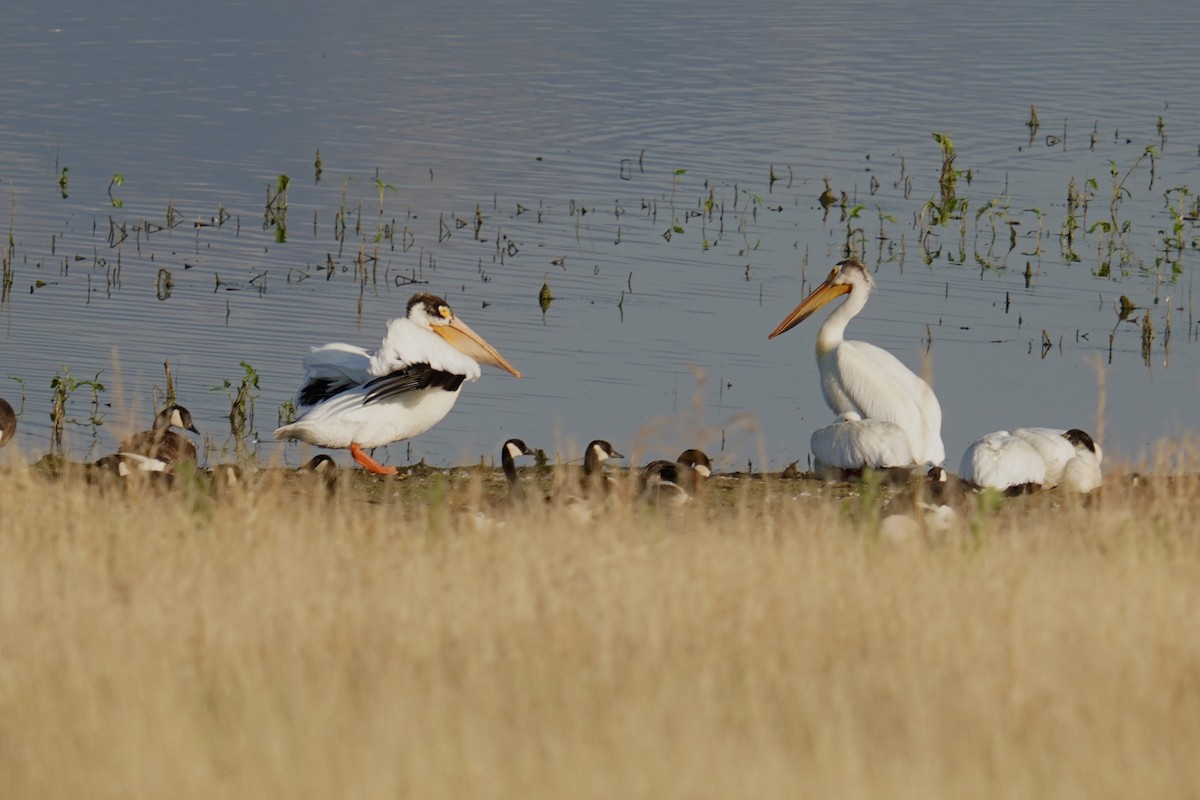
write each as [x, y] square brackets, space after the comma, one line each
[863, 378]
[675, 482]
[160, 442]
[357, 399]
[1052, 446]
[853, 444]
[1082, 473]
[1059, 448]
[1004, 462]
[8, 422]
[509, 452]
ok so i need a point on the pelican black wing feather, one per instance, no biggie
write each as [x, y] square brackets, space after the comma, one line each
[318, 390]
[411, 379]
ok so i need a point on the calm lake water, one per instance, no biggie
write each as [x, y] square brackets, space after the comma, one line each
[623, 155]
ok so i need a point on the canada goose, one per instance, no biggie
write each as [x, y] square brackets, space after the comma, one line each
[8, 422]
[674, 482]
[163, 443]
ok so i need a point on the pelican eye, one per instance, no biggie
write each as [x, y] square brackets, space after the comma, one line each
[445, 313]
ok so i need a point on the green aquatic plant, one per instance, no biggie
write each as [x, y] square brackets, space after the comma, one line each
[947, 203]
[164, 284]
[6, 272]
[241, 401]
[170, 384]
[287, 412]
[383, 188]
[117, 180]
[20, 382]
[275, 214]
[63, 386]
[1183, 219]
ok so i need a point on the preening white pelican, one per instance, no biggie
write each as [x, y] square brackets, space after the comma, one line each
[862, 378]
[1052, 446]
[357, 399]
[1004, 462]
[1082, 473]
[1059, 448]
[854, 443]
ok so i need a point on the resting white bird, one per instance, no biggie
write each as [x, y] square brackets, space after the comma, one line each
[854, 443]
[862, 378]
[1082, 473]
[357, 399]
[1052, 446]
[1004, 462]
[1059, 448]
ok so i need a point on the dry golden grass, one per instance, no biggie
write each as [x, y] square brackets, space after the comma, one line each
[283, 644]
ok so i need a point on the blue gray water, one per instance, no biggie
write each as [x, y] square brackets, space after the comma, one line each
[622, 154]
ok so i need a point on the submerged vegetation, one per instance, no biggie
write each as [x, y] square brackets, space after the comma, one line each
[934, 207]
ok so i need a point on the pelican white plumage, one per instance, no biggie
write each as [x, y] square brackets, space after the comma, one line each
[1003, 462]
[357, 399]
[854, 443]
[1059, 448]
[864, 379]
[1052, 446]
[1082, 473]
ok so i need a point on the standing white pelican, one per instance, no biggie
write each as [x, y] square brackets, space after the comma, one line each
[854, 443]
[862, 378]
[1003, 462]
[357, 399]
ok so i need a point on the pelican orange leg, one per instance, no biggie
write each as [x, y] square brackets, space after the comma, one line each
[370, 464]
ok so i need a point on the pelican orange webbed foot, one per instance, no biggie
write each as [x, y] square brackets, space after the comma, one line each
[370, 464]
